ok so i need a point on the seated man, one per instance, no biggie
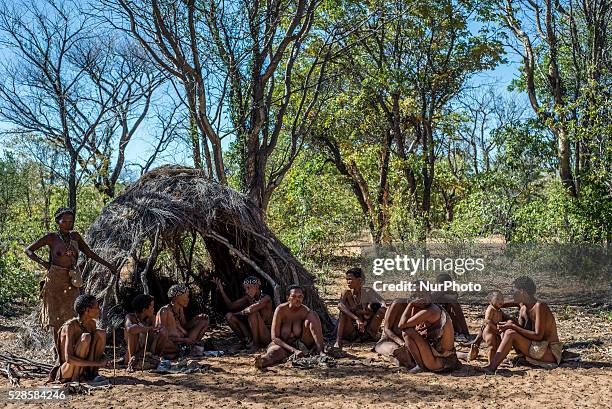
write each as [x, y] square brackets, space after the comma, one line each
[535, 335]
[293, 324]
[250, 316]
[140, 328]
[391, 343]
[429, 335]
[182, 334]
[81, 345]
[449, 301]
[488, 331]
[362, 310]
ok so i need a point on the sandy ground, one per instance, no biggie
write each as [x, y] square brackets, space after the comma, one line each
[362, 380]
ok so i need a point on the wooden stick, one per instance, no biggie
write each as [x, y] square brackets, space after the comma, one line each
[114, 357]
[144, 355]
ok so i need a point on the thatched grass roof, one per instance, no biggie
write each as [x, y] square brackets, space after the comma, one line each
[172, 203]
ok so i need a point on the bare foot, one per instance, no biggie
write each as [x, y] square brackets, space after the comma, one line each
[474, 350]
[251, 349]
[416, 369]
[487, 370]
[259, 362]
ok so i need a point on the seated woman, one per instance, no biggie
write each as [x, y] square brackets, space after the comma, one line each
[250, 316]
[81, 345]
[140, 330]
[535, 335]
[429, 335]
[362, 310]
[182, 333]
[391, 345]
[294, 327]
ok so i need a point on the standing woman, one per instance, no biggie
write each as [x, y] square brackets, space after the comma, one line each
[60, 286]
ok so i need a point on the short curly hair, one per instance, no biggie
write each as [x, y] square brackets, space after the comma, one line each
[141, 302]
[83, 302]
[294, 287]
[525, 283]
[356, 272]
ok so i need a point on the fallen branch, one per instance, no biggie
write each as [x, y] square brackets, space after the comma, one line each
[16, 367]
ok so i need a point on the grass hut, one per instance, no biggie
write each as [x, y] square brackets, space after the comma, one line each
[174, 225]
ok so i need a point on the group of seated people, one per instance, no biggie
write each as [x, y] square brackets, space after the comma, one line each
[418, 334]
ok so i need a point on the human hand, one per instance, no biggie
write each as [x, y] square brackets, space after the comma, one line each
[113, 270]
[217, 281]
[298, 353]
[503, 326]
[154, 330]
[361, 326]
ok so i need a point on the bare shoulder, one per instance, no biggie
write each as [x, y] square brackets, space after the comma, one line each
[45, 240]
[163, 311]
[542, 308]
[70, 326]
[266, 299]
[281, 308]
[75, 235]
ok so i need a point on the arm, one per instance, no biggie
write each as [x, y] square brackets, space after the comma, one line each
[277, 321]
[31, 250]
[410, 320]
[71, 358]
[163, 318]
[489, 315]
[388, 329]
[231, 305]
[539, 326]
[133, 327]
[344, 308]
[89, 253]
[265, 301]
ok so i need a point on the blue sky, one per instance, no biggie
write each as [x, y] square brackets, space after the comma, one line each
[144, 140]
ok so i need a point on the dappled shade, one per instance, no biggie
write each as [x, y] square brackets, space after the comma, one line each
[153, 230]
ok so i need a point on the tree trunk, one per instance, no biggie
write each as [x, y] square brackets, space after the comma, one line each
[565, 166]
[72, 184]
[428, 172]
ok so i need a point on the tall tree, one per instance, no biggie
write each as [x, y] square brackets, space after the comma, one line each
[235, 61]
[413, 59]
[564, 46]
[69, 88]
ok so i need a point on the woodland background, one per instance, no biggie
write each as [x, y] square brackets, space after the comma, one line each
[341, 120]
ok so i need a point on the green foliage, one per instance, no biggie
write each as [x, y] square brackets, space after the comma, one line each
[312, 213]
[19, 283]
[27, 204]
